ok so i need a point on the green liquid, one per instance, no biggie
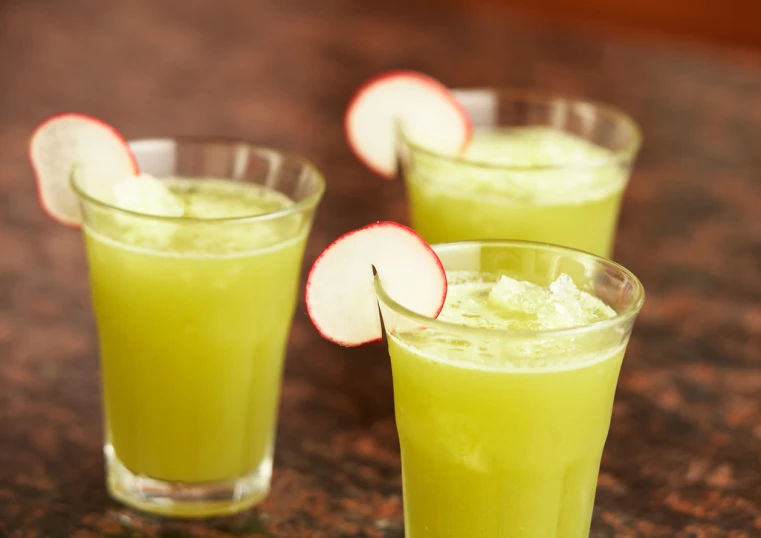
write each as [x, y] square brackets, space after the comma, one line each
[501, 439]
[575, 204]
[193, 318]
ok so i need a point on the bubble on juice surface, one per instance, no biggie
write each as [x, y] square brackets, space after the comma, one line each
[148, 195]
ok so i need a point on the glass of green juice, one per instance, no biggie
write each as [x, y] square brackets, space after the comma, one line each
[539, 167]
[194, 275]
[503, 402]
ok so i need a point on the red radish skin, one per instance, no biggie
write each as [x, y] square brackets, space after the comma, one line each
[411, 235]
[435, 86]
[74, 115]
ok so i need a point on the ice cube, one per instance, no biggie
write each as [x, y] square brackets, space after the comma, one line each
[568, 306]
[518, 296]
[594, 308]
[146, 194]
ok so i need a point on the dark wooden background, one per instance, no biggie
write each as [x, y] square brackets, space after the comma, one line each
[684, 454]
[722, 22]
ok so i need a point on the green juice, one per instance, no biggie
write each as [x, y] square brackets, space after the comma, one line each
[193, 316]
[503, 438]
[530, 183]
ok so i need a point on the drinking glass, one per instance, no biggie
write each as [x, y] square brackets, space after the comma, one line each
[508, 195]
[501, 432]
[193, 315]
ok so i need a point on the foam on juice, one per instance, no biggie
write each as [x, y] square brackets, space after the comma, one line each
[537, 165]
[146, 194]
[182, 216]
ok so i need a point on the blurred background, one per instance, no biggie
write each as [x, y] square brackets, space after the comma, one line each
[726, 22]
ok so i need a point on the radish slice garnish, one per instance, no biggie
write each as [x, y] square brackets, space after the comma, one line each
[423, 107]
[340, 294]
[71, 139]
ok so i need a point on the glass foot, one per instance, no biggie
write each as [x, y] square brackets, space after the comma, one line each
[186, 500]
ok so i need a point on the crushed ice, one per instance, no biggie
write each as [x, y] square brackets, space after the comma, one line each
[559, 306]
[146, 194]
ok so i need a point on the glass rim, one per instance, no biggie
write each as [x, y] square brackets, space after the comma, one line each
[620, 318]
[306, 204]
[540, 97]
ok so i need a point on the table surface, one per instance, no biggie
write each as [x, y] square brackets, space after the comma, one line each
[684, 453]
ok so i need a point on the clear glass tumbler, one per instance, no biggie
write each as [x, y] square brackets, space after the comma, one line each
[502, 432]
[523, 176]
[193, 315]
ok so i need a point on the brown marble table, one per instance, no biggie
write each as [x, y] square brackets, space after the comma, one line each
[684, 454]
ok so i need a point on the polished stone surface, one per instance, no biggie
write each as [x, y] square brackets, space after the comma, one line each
[684, 454]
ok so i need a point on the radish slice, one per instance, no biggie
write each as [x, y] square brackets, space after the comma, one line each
[340, 295]
[72, 139]
[423, 107]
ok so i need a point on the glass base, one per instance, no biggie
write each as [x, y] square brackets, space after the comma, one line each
[186, 500]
